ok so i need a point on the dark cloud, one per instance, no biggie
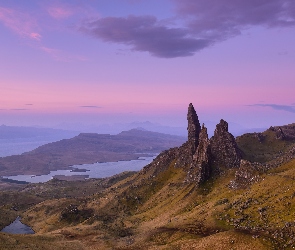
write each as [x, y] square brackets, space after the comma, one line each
[95, 107]
[206, 22]
[29, 104]
[221, 19]
[146, 34]
[288, 108]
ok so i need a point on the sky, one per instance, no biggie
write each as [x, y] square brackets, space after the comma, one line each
[110, 61]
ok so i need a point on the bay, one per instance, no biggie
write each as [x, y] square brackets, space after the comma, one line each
[95, 170]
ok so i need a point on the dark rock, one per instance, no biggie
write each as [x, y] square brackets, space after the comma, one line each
[286, 132]
[280, 134]
[200, 170]
[194, 128]
[224, 150]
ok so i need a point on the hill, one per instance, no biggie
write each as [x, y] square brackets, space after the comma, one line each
[269, 145]
[88, 148]
[205, 194]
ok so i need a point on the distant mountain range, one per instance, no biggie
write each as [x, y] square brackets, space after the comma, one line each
[19, 139]
[235, 128]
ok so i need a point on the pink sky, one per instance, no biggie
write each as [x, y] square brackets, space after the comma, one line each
[85, 60]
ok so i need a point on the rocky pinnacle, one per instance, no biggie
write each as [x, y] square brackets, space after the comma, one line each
[194, 128]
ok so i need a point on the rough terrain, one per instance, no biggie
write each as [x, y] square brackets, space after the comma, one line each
[217, 193]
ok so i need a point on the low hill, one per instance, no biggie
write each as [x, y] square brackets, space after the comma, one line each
[88, 148]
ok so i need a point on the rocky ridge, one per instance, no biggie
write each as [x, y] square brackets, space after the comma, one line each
[203, 158]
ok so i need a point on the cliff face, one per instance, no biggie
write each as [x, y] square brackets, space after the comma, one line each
[200, 169]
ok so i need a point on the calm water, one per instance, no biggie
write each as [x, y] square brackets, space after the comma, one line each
[17, 227]
[96, 170]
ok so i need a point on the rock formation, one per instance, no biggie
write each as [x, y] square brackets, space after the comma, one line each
[200, 169]
[224, 150]
[286, 132]
[194, 128]
[199, 156]
[280, 134]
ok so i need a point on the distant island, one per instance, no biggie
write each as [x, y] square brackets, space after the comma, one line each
[87, 148]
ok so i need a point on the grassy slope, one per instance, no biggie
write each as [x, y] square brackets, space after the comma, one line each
[174, 215]
[266, 149]
[147, 211]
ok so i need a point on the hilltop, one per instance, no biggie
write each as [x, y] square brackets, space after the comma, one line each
[209, 193]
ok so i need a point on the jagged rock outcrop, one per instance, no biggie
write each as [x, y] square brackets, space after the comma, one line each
[200, 169]
[246, 175]
[194, 128]
[224, 150]
[286, 132]
[279, 133]
[199, 156]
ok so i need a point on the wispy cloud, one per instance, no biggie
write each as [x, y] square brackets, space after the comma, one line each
[287, 108]
[28, 26]
[21, 23]
[60, 12]
[19, 109]
[206, 22]
[35, 36]
[60, 55]
[91, 106]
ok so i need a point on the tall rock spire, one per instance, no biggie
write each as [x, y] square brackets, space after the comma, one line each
[194, 128]
[200, 170]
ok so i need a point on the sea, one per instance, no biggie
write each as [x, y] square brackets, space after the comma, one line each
[95, 170]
